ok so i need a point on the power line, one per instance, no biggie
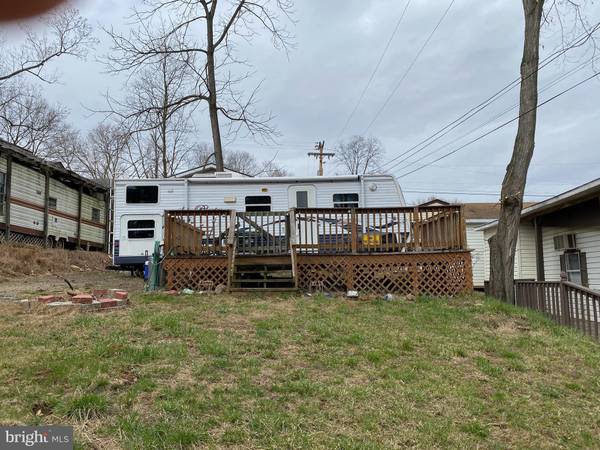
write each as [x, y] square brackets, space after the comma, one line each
[364, 91]
[410, 191]
[461, 137]
[502, 125]
[578, 41]
[411, 65]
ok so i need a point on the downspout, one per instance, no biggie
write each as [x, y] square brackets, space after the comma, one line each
[187, 194]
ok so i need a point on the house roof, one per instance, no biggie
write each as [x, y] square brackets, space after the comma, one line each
[57, 170]
[435, 202]
[486, 211]
[569, 198]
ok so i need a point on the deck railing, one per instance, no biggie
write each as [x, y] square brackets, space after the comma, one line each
[198, 232]
[262, 233]
[378, 230]
[324, 231]
[565, 302]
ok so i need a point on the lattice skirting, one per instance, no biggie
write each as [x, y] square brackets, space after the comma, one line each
[22, 239]
[436, 274]
[196, 273]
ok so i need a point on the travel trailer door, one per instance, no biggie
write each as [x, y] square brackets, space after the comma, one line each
[138, 233]
[304, 196]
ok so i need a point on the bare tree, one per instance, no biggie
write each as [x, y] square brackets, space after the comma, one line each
[503, 244]
[28, 120]
[200, 155]
[101, 158]
[67, 33]
[159, 127]
[359, 154]
[180, 21]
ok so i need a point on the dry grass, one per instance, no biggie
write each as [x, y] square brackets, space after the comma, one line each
[291, 372]
[17, 261]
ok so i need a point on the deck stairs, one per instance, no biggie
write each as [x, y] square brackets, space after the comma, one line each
[264, 273]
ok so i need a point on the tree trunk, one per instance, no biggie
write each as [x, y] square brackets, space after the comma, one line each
[163, 121]
[502, 247]
[213, 111]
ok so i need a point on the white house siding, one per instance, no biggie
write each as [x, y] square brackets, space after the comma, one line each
[525, 267]
[477, 243]
[588, 241]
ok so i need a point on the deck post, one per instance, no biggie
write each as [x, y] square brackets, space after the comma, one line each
[463, 228]
[416, 226]
[7, 194]
[46, 207]
[231, 247]
[354, 231]
[291, 221]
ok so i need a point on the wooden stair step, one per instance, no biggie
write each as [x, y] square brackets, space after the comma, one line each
[263, 280]
[269, 289]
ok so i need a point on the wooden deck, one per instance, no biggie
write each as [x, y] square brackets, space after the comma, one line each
[372, 250]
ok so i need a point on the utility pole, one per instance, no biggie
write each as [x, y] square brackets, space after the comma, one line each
[321, 154]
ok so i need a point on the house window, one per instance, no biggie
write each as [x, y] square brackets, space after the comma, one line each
[565, 241]
[95, 215]
[142, 194]
[574, 264]
[258, 203]
[345, 200]
[2, 192]
[52, 203]
[140, 229]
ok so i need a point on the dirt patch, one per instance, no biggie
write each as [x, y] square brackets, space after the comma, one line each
[17, 261]
[33, 286]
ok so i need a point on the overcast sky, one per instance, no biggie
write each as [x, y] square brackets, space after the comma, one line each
[312, 90]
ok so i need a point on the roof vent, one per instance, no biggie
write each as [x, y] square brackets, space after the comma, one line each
[223, 174]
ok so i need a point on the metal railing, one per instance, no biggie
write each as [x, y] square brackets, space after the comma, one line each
[565, 302]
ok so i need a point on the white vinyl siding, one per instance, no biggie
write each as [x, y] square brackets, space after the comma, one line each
[476, 242]
[525, 267]
[588, 242]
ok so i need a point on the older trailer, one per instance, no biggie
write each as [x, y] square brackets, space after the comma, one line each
[139, 205]
[44, 203]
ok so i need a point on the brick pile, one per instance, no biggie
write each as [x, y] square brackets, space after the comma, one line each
[100, 299]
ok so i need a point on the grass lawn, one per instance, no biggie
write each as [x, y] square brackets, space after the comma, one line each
[290, 372]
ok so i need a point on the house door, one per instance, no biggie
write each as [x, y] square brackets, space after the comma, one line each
[304, 196]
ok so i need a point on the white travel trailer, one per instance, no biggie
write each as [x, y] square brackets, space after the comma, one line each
[139, 205]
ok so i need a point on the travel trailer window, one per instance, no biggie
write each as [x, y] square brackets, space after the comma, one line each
[258, 203]
[95, 215]
[302, 199]
[140, 229]
[52, 203]
[142, 194]
[2, 192]
[345, 200]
